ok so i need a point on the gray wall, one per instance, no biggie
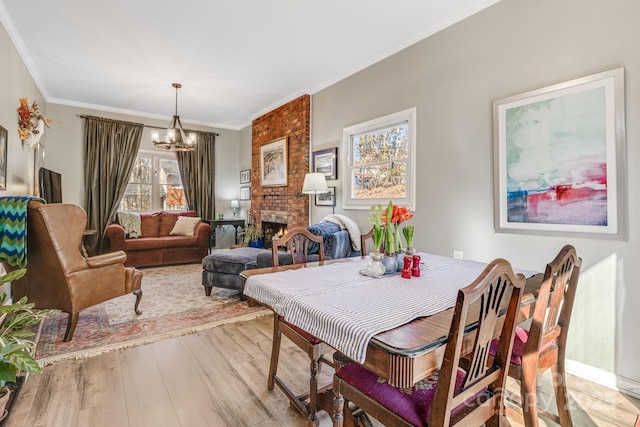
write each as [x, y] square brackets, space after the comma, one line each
[245, 163]
[452, 77]
[16, 82]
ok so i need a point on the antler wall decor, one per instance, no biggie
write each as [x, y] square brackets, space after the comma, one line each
[30, 129]
[30, 123]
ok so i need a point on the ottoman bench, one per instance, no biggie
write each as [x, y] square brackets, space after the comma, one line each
[222, 268]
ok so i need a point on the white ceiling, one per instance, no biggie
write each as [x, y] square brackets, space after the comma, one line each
[235, 59]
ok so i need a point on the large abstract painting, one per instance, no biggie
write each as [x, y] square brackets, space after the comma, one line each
[560, 159]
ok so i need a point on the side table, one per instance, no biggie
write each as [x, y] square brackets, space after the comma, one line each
[215, 223]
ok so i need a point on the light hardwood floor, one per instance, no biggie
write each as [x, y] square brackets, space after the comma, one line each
[218, 378]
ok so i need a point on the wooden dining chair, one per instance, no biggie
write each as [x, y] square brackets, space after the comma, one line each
[451, 394]
[297, 242]
[542, 346]
[363, 242]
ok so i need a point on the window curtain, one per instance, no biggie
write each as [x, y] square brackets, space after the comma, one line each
[197, 173]
[111, 147]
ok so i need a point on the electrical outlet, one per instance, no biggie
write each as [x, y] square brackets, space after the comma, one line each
[457, 254]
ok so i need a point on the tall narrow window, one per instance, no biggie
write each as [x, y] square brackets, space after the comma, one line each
[380, 160]
[171, 190]
[154, 184]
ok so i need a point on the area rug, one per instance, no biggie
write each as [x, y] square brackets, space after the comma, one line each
[173, 304]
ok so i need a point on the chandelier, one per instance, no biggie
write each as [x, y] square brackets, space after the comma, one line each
[176, 138]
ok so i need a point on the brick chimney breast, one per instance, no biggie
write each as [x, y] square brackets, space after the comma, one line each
[280, 204]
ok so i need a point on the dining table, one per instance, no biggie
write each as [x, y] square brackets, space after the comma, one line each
[395, 327]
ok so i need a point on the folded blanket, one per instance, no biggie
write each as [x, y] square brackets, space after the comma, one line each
[348, 224]
[13, 229]
[131, 223]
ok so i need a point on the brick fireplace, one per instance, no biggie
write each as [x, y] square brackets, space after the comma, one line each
[271, 230]
[282, 204]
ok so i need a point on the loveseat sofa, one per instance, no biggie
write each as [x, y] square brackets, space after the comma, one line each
[155, 245]
[222, 268]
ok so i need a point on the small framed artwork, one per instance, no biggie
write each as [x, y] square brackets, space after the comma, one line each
[3, 158]
[273, 163]
[245, 193]
[245, 176]
[326, 162]
[560, 159]
[327, 199]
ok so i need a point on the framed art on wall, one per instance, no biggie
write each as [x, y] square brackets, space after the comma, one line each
[326, 162]
[245, 176]
[326, 199]
[273, 163]
[3, 158]
[245, 193]
[560, 159]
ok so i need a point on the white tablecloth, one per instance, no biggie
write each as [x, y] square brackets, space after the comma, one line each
[346, 309]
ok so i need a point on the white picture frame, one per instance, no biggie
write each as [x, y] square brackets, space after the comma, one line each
[273, 163]
[245, 176]
[245, 193]
[560, 159]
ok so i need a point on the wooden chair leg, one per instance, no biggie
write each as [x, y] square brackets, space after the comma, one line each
[529, 399]
[275, 352]
[313, 393]
[72, 322]
[560, 390]
[338, 407]
[138, 295]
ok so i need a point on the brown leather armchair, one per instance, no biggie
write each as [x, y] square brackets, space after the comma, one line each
[59, 276]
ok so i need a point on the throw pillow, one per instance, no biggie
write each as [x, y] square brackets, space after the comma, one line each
[185, 226]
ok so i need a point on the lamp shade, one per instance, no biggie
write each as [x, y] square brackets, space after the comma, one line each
[235, 204]
[315, 183]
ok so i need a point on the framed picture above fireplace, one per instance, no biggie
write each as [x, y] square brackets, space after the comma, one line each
[273, 163]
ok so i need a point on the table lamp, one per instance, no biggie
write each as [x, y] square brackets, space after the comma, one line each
[235, 205]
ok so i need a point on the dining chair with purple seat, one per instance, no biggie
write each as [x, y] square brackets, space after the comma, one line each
[474, 395]
[543, 345]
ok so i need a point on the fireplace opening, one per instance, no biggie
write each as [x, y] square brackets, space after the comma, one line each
[271, 230]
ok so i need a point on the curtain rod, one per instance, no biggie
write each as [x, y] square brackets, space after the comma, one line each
[83, 116]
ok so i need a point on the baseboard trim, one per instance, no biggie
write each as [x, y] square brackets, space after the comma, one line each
[605, 378]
